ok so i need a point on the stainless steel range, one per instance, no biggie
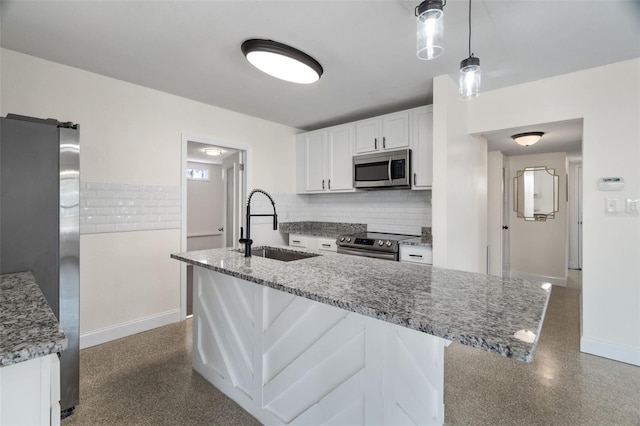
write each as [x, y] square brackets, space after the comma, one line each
[371, 244]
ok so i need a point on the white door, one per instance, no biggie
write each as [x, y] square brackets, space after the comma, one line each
[395, 131]
[315, 158]
[579, 207]
[506, 190]
[231, 169]
[367, 135]
[340, 153]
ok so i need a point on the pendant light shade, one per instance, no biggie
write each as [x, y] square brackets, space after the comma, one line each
[528, 138]
[282, 61]
[470, 77]
[430, 31]
[469, 71]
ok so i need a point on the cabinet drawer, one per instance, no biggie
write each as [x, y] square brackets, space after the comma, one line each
[416, 254]
[296, 240]
[327, 244]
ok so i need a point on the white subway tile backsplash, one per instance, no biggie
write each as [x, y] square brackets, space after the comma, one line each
[395, 211]
[115, 207]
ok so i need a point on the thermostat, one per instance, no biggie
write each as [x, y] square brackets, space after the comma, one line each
[610, 183]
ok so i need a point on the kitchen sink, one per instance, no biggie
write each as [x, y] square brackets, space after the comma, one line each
[279, 254]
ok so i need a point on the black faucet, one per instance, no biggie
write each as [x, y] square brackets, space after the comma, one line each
[248, 241]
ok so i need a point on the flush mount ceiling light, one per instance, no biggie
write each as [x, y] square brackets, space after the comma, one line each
[528, 138]
[430, 32]
[212, 151]
[282, 61]
[470, 71]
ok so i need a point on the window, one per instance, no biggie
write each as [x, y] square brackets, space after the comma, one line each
[198, 174]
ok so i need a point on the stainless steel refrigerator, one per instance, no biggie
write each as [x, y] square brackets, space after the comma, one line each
[39, 223]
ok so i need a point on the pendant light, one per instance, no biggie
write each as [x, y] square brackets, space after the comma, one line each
[282, 61]
[430, 32]
[470, 71]
[528, 138]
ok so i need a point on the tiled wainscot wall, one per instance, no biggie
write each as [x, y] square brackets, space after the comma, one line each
[116, 207]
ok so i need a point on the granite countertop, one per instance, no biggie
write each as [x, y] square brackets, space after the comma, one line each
[322, 229]
[492, 313]
[28, 327]
[417, 241]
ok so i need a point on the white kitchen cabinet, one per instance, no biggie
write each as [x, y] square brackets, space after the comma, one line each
[30, 392]
[327, 244]
[313, 243]
[302, 241]
[387, 132]
[422, 147]
[324, 160]
[416, 254]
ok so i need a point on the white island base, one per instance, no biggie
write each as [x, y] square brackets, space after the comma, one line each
[290, 360]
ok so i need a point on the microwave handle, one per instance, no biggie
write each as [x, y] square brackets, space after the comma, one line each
[389, 171]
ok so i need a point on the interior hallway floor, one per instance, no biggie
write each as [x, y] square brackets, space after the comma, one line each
[146, 379]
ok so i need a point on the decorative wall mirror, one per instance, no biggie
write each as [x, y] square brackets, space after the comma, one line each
[535, 193]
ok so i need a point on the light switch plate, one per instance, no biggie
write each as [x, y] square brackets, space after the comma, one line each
[633, 207]
[611, 206]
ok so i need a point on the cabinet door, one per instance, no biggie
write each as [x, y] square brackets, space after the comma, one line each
[422, 147]
[367, 132]
[339, 161]
[314, 161]
[395, 130]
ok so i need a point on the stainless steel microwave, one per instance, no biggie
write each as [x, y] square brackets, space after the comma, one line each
[389, 169]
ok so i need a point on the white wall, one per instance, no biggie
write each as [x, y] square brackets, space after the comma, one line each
[459, 195]
[608, 101]
[538, 250]
[132, 135]
[574, 215]
[204, 208]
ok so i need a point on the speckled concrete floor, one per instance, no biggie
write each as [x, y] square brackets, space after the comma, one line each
[147, 379]
[561, 387]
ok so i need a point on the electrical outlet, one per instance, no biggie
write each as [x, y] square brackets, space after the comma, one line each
[611, 206]
[633, 207]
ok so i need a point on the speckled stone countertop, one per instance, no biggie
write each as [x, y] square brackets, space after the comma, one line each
[28, 327]
[417, 241]
[322, 229]
[495, 314]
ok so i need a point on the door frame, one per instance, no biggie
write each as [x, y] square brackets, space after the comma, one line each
[246, 181]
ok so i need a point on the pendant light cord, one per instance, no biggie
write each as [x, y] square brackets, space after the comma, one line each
[470, 29]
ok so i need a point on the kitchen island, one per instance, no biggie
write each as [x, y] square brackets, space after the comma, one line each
[343, 339]
[29, 366]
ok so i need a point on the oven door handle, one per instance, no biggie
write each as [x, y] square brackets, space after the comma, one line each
[367, 253]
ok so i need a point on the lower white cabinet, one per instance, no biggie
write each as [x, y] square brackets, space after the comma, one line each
[289, 360]
[313, 243]
[416, 254]
[30, 392]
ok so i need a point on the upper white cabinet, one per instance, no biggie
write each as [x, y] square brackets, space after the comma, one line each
[422, 147]
[390, 131]
[324, 160]
[324, 157]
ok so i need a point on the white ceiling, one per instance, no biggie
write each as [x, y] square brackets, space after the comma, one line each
[367, 48]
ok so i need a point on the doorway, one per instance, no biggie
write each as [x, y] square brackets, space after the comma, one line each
[213, 187]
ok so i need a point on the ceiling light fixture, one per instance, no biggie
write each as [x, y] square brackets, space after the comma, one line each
[430, 32]
[212, 151]
[470, 71]
[527, 138]
[282, 61]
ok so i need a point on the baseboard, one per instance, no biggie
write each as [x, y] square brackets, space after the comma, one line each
[562, 282]
[107, 334]
[609, 350]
